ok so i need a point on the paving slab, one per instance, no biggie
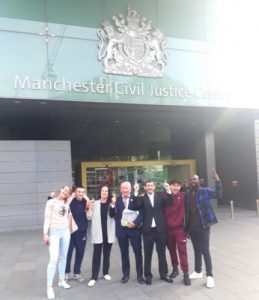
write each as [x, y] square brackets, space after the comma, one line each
[235, 258]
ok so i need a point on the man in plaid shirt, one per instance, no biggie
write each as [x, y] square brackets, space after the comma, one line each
[199, 216]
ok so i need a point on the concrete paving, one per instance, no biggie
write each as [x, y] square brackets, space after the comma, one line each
[235, 257]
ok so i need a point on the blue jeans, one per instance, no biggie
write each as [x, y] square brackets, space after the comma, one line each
[58, 247]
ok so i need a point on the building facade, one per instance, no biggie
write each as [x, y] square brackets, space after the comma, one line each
[128, 81]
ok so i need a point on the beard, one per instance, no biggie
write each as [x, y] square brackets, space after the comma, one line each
[194, 187]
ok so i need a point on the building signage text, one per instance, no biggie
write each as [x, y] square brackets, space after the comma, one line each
[117, 88]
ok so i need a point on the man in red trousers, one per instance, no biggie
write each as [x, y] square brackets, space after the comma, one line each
[176, 237]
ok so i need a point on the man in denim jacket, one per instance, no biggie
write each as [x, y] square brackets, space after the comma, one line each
[198, 219]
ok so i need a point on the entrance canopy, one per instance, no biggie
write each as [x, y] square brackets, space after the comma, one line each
[106, 131]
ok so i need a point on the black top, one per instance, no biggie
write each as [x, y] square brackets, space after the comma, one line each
[78, 209]
[195, 220]
[104, 215]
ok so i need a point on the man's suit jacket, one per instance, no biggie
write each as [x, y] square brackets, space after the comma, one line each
[116, 213]
[150, 212]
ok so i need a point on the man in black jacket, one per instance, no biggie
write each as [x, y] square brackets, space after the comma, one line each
[154, 229]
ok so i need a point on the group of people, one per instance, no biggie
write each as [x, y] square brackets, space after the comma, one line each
[165, 219]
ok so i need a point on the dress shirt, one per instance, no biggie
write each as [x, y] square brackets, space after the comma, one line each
[126, 201]
[151, 198]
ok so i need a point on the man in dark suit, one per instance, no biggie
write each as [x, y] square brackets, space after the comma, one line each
[127, 231]
[154, 229]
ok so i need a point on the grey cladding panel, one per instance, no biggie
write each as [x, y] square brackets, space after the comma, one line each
[52, 145]
[53, 156]
[15, 166]
[17, 156]
[18, 188]
[18, 210]
[25, 177]
[23, 199]
[29, 171]
[17, 146]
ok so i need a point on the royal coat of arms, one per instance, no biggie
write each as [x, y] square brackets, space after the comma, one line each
[132, 46]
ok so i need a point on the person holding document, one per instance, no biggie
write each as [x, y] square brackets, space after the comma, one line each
[128, 230]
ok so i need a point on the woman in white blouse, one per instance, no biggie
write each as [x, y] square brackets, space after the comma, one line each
[56, 235]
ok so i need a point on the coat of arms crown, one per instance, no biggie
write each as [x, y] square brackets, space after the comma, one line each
[132, 46]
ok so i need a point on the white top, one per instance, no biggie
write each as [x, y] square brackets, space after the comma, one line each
[151, 198]
[56, 215]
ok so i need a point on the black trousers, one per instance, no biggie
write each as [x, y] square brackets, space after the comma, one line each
[201, 244]
[96, 262]
[135, 242]
[151, 238]
[77, 241]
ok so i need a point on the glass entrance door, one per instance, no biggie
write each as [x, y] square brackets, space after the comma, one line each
[96, 174]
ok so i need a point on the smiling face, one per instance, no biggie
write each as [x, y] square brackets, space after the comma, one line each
[125, 189]
[79, 193]
[175, 187]
[194, 180]
[149, 187]
[104, 193]
[65, 192]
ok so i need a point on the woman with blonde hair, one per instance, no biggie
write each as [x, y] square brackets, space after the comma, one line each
[56, 235]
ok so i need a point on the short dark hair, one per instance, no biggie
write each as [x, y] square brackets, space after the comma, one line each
[149, 181]
[175, 181]
[79, 187]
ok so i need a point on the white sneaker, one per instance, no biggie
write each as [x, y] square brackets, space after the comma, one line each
[62, 283]
[107, 277]
[78, 277]
[210, 282]
[91, 282]
[50, 293]
[67, 276]
[195, 275]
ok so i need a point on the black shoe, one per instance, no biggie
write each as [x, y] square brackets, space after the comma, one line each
[141, 280]
[148, 281]
[166, 278]
[186, 279]
[124, 279]
[174, 273]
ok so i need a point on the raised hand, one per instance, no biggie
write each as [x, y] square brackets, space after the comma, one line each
[166, 186]
[86, 198]
[113, 200]
[215, 175]
[91, 203]
[136, 187]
